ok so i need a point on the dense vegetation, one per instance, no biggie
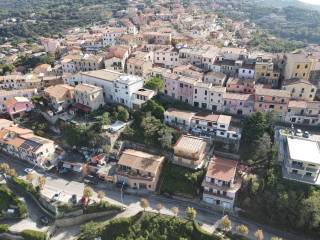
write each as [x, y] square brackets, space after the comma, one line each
[146, 226]
[48, 18]
[7, 198]
[289, 22]
[33, 235]
[181, 180]
[265, 195]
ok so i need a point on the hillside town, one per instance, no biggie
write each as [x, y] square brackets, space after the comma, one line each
[163, 107]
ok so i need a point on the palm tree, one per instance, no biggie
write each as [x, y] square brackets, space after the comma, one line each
[225, 223]
[87, 192]
[12, 172]
[41, 182]
[101, 195]
[275, 238]
[4, 167]
[30, 177]
[144, 203]
[159, 206]
[259, 234]
[243, 230]
[175, 211]
[191, 213]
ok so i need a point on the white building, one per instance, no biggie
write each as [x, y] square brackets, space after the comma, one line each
[124, 87]
[166, 57]
[220, 183]
[111, 36]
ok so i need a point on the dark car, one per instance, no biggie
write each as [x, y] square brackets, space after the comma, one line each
[121, 185]
[44, 220]
[74, 199]
[90, 180]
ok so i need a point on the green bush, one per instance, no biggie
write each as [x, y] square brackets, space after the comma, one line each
[4, 228]
[33, 235]
[101, 206]
[7, 197]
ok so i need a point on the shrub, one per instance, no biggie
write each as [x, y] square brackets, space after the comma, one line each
[33, 235]
[101, 206]
[4, 228]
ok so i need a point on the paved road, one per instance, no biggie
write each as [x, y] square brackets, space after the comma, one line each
[206, 217]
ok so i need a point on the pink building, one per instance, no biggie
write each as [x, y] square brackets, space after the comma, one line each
[237, 85]
[179, 87]
[237, 103]
[18, 106]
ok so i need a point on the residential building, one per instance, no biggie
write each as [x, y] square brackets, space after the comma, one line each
[89, 96]
[221, 183]
[101, 78]
[216, 78]
[238, 103]
[189, 71]
[59, 96]
[76, 63]
[157, 38]
[237, 85]
[139, 67]
[141, 96]
[201, 95]
[11, 82]
[139, 170]
[112, 35]
[266, 72]
[246, 70]
[23, 144]
[50, 45]
[5, 95]
[166, 57]
[298, 65]
[303, 112]
[18, 106]
[301, 159]
[190, 152]
[179, 87]
[300, 89]
[124, 88]
[177, 118]
[115, 58]
[267, 100]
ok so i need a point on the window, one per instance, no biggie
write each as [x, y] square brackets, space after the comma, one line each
[298, 66]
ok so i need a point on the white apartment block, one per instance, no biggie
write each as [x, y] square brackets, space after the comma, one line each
[124, 87]
[111, 36]
[77, 63]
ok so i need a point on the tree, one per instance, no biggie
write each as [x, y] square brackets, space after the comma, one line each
[155, 84]
[4, 167]
[259, 234]
[144, 203]
[310, 211]
[12, 172]
[151, 126]
[30, 177]
[191, 213]
[225, 223]
[85, 170]
[155, 109]
[90, 231]
[165, 137]
[175, 211]
[254, 127]
[243, 230]
[87, 192]
[41, 182]
[275, 238]
[105, 118]
[101, 195]
[7, 68]
[159, 206]
[121, 114]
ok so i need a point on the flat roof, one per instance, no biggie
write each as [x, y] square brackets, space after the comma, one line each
[304, 150]
[190, 144]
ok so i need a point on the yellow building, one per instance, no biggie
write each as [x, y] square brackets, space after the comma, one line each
[266, 72]
[298, 65]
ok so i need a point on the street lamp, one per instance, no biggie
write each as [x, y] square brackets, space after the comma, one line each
[121, 193]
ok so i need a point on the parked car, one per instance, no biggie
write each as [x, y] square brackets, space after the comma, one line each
[74, 199]
[55, 197]
[44, 220]
[90, 180]
[306, 134]
[299, 133]
[28, 170]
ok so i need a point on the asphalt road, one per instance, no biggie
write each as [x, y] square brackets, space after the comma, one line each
[67, 187]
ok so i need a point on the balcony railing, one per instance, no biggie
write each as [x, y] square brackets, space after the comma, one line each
[134, 175]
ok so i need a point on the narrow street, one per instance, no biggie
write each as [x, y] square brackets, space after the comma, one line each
[67, 187]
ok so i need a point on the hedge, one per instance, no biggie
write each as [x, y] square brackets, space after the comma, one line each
[100, 207]
[33, 235]
[9, 198]
[26, 186]
[4, 228]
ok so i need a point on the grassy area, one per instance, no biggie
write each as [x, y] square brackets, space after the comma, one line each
[146, 226]
[7, 198]
[181, 180]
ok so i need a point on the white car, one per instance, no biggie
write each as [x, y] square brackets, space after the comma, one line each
[28, 170]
